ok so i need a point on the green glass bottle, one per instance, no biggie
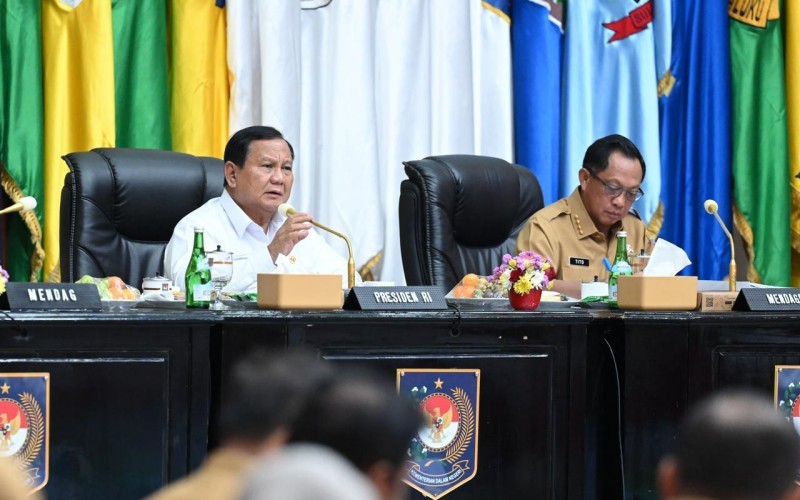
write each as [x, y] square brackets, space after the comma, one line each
[198, 275]
[621, 267]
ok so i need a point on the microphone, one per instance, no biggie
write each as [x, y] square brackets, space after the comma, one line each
[712, 207]
[285, 209]
[25, 204]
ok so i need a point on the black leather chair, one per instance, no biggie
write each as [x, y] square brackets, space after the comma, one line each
[460, 213]
[120, 206]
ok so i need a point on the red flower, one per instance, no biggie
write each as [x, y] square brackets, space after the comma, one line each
[551, 273]
[514, 276]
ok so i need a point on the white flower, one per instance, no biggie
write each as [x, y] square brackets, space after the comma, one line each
[781, 403]
[791, 384]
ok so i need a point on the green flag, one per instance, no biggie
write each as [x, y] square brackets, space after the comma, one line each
[760, 154]
[140, 74]
[21, 133]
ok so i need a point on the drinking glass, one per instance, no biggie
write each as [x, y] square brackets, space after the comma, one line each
[220, 263]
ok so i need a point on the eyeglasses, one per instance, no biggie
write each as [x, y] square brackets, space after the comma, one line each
[613, 191]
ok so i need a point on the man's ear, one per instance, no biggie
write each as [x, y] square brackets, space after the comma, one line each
[668, 477]
[230, 170]
[583, 177]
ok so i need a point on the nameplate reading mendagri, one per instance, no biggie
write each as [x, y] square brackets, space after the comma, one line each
[396, 298]
[768, 299]
[52, 296]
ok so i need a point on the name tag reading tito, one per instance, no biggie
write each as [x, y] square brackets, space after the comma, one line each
[579, 261]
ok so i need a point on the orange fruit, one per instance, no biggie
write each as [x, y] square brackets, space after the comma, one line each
[470, 280]
[463, 292]
[116, 287]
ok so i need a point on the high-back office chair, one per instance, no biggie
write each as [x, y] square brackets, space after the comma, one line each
[120, 206]
[460, 213]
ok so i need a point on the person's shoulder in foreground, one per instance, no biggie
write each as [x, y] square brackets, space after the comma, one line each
[733, 445]
[306, 471]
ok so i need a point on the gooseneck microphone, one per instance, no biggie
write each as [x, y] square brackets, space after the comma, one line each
[286, 209]
[712, 207]
[25, 204]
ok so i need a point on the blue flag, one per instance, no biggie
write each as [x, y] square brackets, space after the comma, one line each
[616, 52]
[537, 40]
[696, 137]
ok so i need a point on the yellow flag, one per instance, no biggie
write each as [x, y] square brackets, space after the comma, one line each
[199, 83]
[792, 32]
[78, 73]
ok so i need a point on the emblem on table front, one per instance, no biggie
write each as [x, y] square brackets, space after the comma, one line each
[444, 454]
[25, 425]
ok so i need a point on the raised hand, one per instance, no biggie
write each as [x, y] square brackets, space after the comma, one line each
[293, 230]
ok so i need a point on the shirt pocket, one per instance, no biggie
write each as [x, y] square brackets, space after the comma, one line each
[244, 273]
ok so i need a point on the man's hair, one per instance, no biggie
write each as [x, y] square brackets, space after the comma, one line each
[736, 445]
[266, 392]
[596, 158]
[361, 417]
[238, 146]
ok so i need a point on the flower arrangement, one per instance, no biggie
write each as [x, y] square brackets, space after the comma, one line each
[524, 272]
[3, 280]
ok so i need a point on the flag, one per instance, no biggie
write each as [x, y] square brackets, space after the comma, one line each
[21, 131]
[793, 108]
[78, 62]
[199, 77]
[760, 157]
[434, 95]
[615, 53]
[257, 97]
[492, 75]
[695, 137]
[537, 39]
[337, 165]
[140, 74]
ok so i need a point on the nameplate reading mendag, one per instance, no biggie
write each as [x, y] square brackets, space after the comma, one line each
[395, 298]
[768, 299]
[53, 296]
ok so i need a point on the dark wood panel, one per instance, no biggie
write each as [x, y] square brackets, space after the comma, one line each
[128, 399]
[525, 395]
[655, 384]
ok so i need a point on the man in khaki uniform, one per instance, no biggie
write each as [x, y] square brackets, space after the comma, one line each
[578, 231]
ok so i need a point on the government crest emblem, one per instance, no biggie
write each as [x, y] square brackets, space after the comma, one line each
[25, 425]
[444, 454]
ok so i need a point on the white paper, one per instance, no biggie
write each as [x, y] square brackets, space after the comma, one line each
[666, 259]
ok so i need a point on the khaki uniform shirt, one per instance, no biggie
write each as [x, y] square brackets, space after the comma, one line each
[222, 476]
[564, 232]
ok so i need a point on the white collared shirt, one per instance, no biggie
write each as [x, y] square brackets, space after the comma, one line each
[225, 224]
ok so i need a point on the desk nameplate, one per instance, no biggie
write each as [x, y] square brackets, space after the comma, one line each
[53, 296]
[768, 299]
[396, 298]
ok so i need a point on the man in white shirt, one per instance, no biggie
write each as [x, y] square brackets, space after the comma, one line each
[245, 219]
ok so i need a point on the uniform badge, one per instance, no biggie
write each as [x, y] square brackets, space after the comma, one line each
[25, 425]
[444, 454]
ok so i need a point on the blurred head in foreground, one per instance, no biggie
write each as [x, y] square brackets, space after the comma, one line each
[366, 422]
[734, 445]
[263, 396]
[265, 393]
